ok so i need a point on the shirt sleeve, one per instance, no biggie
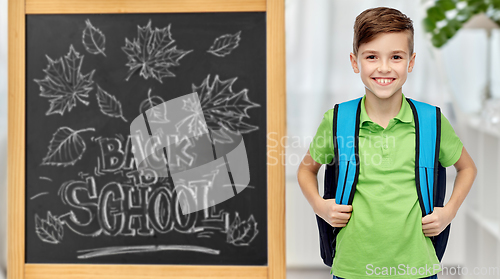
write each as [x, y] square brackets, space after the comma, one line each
[451, 146]
[321, 147]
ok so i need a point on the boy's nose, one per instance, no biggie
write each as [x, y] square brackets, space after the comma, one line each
[384, 68]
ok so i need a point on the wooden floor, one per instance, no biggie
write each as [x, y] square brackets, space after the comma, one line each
[324, 273]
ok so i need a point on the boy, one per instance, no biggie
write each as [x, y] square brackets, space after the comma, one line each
[383, 232]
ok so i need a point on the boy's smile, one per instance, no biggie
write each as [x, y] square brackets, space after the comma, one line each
[384, 64]
[384, 81]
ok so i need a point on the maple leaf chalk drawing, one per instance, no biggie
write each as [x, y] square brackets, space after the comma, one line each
[109, 105]
[155, 108]
[241, 233]
[64, 84]
[152, 53]
[66, 147]
[93, 39]
[50, 230]
[222, 109]
[193, 125]
[224, 44]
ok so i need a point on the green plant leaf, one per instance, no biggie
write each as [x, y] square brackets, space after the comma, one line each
[429, 24]
[473, 2]
[436, 13]
[455, 24]
[464, 14]
[477, 6]
[439, 39]
[446, 5]
[483, 7]
[449, 31]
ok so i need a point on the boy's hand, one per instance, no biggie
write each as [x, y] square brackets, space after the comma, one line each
[337, 215]
[434, 223]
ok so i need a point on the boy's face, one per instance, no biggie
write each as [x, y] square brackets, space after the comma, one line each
[384, 64]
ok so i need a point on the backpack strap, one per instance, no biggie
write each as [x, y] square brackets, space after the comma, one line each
[346, 147]
[428, 134]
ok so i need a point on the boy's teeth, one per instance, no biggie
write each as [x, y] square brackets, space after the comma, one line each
[384, 80]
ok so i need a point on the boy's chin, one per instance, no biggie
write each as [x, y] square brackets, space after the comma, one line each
[383, 95]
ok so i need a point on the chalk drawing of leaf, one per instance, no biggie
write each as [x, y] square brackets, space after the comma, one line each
[93, 39]
[66, 147]
[109, 105]
[193, 125]
[64, 84]
[155, 109]
[152, 53]
[224, 44]
[50, 230]
[242, 233]
[222, 109]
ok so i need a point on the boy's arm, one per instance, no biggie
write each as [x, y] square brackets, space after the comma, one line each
[308, 182]
[334, 214]
[434, 223]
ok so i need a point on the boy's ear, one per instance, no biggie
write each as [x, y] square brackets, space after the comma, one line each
[354, 62]
[412, 62]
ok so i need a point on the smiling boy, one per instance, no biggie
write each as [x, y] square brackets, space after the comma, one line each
[383, 232]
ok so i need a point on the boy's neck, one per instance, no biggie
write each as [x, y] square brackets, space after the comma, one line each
[381, 111]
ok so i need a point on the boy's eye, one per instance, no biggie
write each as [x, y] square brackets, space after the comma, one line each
[397, 57]
[371, 57]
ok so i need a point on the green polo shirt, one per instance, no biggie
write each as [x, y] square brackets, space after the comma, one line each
[384, 237]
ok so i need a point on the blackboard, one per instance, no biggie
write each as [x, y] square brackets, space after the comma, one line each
[78, 148]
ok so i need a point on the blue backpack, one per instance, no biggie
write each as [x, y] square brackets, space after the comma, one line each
[341, 176]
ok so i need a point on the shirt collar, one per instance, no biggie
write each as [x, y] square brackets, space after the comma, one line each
[405, 114]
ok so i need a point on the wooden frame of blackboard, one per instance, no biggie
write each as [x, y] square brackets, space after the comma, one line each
[276, 112]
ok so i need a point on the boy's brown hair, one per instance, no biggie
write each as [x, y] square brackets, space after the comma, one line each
[375, 21]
